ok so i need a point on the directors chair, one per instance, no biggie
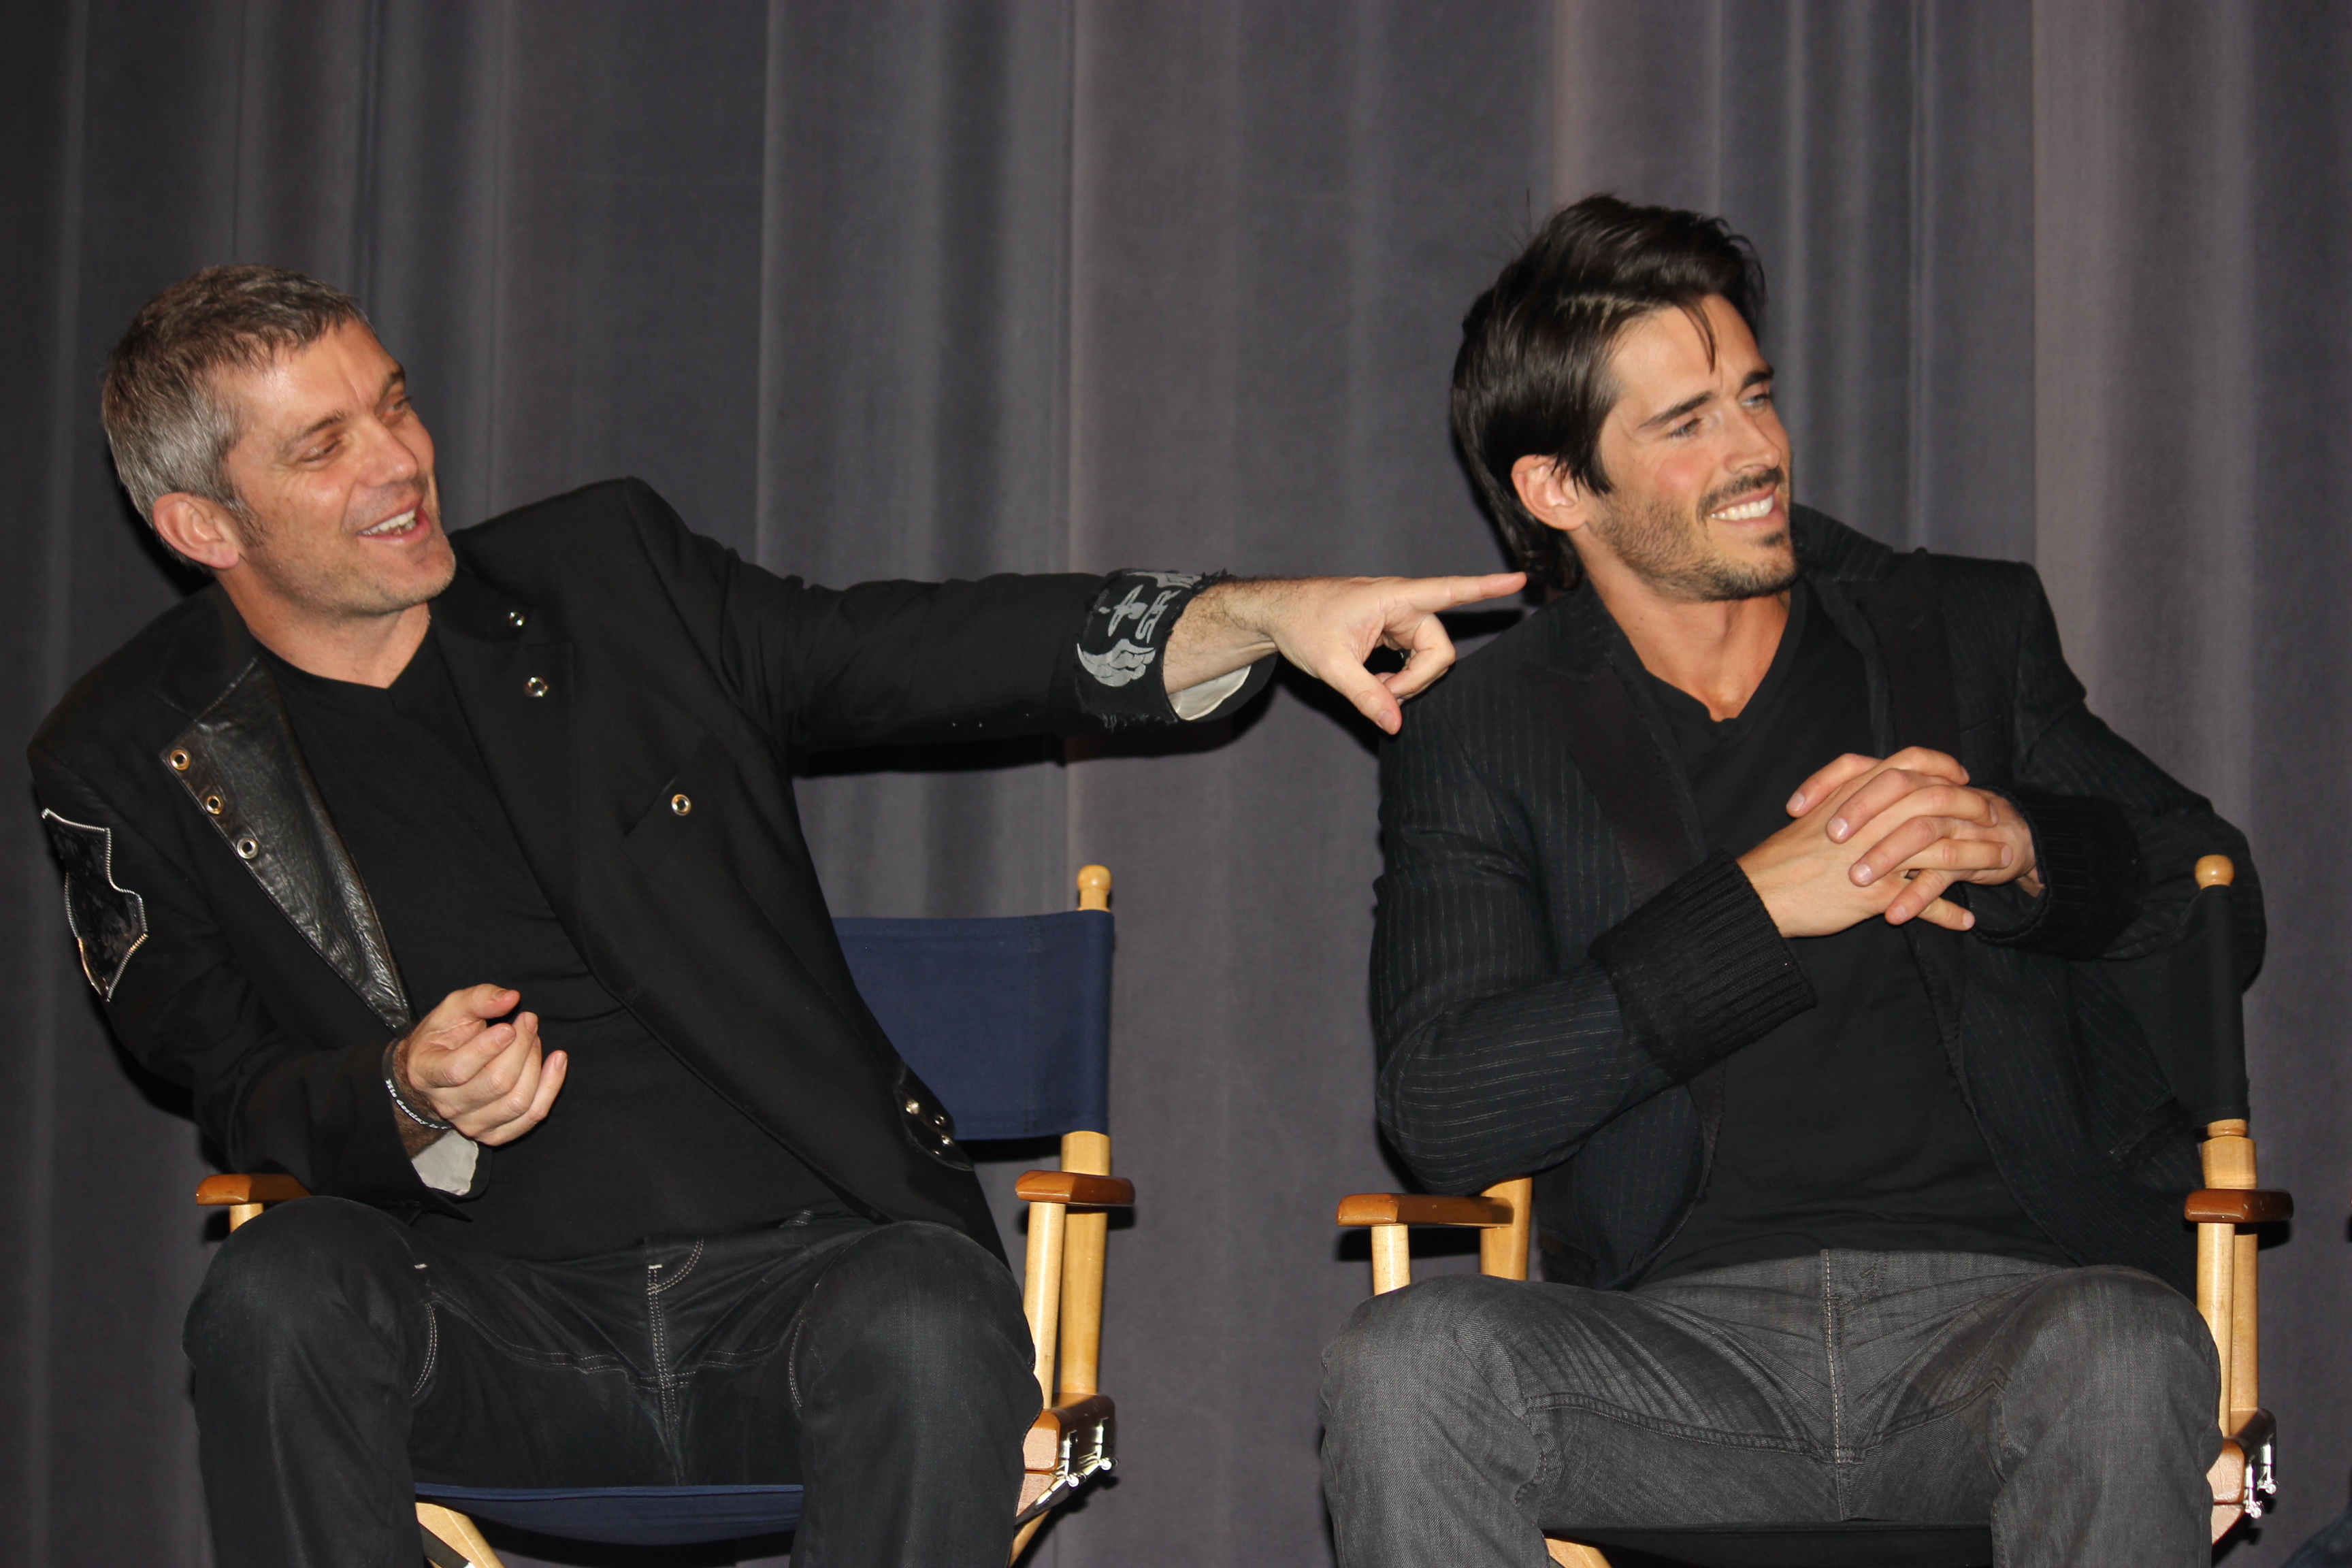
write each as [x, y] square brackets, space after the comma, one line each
[2187, 1001]
[1008, 1021]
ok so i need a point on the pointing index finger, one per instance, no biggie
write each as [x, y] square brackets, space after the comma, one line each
[1448, 593]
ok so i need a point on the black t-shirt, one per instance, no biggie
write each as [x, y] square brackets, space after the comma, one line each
[636, 1144]
[1844, 1127]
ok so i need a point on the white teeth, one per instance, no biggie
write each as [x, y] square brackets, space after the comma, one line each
[391, 525]
[1746, 511]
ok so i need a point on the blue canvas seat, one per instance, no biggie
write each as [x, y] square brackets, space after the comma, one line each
[631, 1516]
[1008, 1023]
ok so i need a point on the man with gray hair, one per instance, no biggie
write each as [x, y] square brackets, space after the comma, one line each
[458, 876]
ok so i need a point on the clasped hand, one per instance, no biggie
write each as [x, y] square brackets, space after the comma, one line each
[1923, 828]
[488, 1079]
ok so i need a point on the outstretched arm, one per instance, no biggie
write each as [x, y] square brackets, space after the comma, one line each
[1327, 627]
[904, 663]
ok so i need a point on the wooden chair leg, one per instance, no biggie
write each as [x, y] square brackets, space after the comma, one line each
[1084, 1242]
[455, 1531]
[1503, 1251]
[1392, 1257]
[1041, 1288]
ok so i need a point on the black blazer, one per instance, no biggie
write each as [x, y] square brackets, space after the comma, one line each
[606, 660]
[1557, 969]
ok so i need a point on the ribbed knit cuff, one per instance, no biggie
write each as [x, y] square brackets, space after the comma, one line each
[2092, 878]
[1701, 970]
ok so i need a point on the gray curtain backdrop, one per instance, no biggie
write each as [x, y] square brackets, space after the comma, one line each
[884, 288]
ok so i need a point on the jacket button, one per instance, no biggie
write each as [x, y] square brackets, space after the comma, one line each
[534, 687]
[681, 803]
[516, 618]
[214, 804]
[179, 761]
[246, 848]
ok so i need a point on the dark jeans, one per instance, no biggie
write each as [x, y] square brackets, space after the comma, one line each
[2071, 1408]
[341, 1356]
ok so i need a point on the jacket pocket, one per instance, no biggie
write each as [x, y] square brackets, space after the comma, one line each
[684, 809]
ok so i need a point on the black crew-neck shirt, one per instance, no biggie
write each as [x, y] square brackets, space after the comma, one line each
[636, 1144]
[1844, 1127]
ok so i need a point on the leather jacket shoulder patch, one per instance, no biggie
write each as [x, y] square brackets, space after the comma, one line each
[108, 921]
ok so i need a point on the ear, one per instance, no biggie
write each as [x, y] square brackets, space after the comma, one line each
[1557, 500]
[203, 531]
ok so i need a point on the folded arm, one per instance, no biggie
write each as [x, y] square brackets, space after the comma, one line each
[2117, 838]
[2095, 843]
[1502, 1047]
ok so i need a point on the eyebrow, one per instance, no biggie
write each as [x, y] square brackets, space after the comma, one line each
[1698, 400]
[398, 377]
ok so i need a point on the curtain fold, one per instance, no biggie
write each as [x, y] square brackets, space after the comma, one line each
[909, 289]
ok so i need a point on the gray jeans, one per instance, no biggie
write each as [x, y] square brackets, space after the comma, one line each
[2073, 1407]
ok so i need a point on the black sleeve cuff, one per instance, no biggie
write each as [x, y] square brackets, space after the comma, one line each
[1701, 970]
[350, 1135]
[1122, 641]
[2092, 877]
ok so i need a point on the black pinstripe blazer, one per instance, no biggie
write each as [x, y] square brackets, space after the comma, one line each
[1558, 969]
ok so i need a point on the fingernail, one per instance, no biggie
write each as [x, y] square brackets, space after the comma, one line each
[1797, 804]
[1861, 873]
[1838, 829]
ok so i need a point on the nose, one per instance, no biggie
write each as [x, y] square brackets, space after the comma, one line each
[392, 458]
[1755, 440]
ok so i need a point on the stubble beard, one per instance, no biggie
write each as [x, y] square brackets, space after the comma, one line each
[1670, 549]
[336, 590]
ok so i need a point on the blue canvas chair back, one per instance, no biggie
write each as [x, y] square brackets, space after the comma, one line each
[1008, 1022]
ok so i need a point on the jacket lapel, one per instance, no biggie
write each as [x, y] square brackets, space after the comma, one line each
[1585, 695]
[242, 768]
[1906, 615]
[1586, 698]
[512, 668]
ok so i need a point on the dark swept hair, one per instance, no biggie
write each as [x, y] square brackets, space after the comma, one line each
[1532, 378]
[169, 427]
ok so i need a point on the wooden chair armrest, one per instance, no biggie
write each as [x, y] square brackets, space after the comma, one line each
[1075, 1187]
[1421, 1209]
[214, 1191]
[2238, 1205]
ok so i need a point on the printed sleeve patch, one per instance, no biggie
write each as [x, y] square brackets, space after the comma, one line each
[109, 921]
[1130, 623]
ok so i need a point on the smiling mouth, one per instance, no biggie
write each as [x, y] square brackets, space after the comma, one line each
[400, 522]
[1747, 510]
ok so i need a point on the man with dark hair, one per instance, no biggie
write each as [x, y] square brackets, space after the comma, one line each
[1739, 895]
[458, 876]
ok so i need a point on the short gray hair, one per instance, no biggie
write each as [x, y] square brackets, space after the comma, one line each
[169, 427]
